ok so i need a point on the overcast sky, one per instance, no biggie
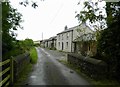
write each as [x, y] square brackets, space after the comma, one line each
[50, 17]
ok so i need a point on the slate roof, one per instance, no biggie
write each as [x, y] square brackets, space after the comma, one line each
[72, 28]
[68, 30]
[54, 37]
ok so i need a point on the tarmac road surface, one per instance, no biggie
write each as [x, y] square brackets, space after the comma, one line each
[49, 71]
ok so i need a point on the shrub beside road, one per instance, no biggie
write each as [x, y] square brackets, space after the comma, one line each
[33, 55]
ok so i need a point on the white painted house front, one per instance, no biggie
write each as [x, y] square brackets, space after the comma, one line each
[66, 38]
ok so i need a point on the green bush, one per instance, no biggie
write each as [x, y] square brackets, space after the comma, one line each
[13, 52]
[37, 44]
[109, 48]
[33, 56]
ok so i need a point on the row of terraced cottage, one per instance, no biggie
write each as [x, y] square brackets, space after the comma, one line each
[79, 39]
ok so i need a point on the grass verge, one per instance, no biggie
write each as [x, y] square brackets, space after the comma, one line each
[33, 55]
[97, 83]
[27, 68]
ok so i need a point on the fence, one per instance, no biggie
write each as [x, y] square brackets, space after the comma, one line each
[4, 74]
[11, 68]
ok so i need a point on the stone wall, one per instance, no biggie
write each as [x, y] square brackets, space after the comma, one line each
[20, 62]
[94, 68]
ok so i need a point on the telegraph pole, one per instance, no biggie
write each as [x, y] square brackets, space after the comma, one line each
[42, 35]
[42, 39]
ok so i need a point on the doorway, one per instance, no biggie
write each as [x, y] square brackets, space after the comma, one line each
[62, 46]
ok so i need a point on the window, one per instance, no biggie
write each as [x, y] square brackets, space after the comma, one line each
[59, 37]
[66, 44]
[67, 35]
[62, 36]
[59, 44]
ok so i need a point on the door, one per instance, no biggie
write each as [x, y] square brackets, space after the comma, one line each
[62, 46]
[75, 49]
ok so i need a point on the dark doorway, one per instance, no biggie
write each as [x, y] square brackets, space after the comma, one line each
[62, 46]
[75, 48]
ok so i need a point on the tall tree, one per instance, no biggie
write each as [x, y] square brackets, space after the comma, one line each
[113, 12]
[93, 13]
[108, 41]
[10, 21]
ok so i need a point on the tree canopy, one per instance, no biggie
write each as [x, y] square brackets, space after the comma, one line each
[93, 13]
[108, 41]
[11, 20]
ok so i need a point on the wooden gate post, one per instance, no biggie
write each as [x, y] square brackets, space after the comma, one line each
[11, 70]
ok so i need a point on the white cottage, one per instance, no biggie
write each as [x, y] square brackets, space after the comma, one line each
[50, 43]
[66, 40]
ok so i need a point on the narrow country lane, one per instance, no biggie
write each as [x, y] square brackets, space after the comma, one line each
[48, 71]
